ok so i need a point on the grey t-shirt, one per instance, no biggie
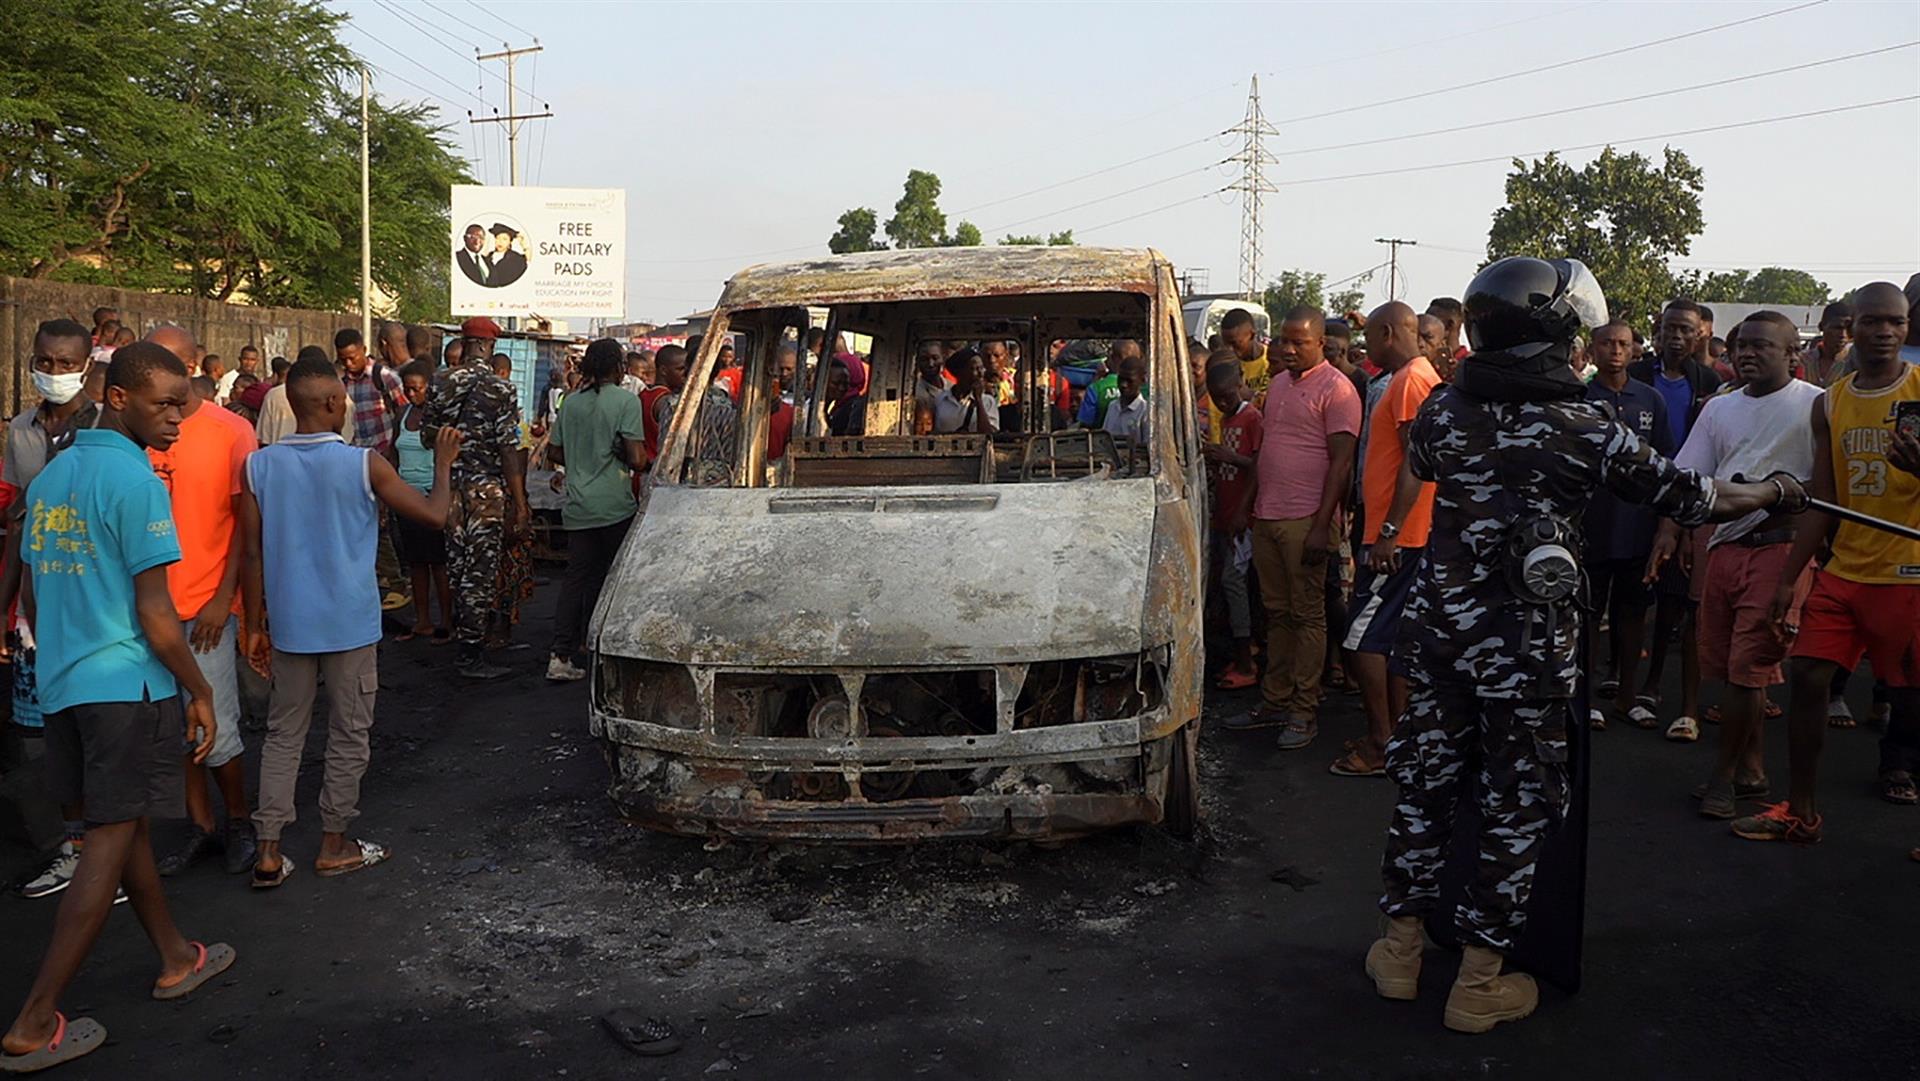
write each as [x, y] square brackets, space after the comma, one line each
[28, 449]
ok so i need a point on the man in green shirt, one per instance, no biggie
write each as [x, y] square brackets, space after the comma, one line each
[598, 444]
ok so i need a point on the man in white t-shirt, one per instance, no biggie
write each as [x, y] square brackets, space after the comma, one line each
[1758, 430]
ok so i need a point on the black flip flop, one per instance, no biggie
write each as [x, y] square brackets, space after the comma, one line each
[640, 1033]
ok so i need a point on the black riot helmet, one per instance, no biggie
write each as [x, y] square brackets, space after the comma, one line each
[1523, 306]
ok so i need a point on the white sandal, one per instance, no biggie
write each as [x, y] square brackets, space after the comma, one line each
[1684, 730]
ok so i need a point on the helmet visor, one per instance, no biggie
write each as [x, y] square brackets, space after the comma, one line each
[1583, 295]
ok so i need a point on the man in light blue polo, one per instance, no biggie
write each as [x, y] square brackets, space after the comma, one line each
[97, 542]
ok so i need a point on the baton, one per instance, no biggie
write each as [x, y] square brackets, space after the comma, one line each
[1848, 515]
[1867, 520]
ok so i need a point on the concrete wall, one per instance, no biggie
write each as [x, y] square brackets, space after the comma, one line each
[221, 328]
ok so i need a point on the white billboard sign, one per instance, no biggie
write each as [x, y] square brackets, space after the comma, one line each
[545, 251]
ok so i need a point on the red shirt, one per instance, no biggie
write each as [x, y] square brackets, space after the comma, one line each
[730, 379]
[779, 430]
[1240, 434]
[649, 399]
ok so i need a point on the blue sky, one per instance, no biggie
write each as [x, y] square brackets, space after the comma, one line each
[742, 131]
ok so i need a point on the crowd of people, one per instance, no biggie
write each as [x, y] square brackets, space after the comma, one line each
[179, 532]
[1310, 474]
[1419, 470]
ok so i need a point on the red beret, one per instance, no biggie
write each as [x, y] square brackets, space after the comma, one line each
[479, 327]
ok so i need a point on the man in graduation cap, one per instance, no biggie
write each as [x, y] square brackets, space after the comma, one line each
[504, 265]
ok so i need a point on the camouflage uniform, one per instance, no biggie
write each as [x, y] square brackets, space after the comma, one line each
[1479, 698]
[483, 406]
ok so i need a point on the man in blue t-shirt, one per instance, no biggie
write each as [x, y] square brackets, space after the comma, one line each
[97, 540]
[1620, 534]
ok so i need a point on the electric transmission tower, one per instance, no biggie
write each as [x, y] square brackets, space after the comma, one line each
[1252, 158]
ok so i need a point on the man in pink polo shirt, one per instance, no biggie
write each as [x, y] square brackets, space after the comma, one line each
[1311, 423]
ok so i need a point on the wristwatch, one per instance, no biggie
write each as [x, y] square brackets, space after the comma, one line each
[1388, 531]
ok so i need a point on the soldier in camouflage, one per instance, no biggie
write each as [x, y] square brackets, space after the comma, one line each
[489, 487]
[1492, 664]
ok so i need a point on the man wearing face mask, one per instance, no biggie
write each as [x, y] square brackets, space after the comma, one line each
[60, 350]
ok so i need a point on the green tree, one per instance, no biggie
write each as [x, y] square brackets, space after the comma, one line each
[1292, 289]
[1621, 214]
[1769, 285]
[1346, 300]
[231, 169]
[856, 231]
[1063, 238]
[965, 235]
[918, 221]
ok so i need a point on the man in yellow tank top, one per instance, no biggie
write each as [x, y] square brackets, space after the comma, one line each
[1866, 600]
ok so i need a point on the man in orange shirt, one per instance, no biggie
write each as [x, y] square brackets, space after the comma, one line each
[1396, 528]
[202, 474]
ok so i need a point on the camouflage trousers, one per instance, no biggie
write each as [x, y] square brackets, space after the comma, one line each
[476, 533]
[1519, 748]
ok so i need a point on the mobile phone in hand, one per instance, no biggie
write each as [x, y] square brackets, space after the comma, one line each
[1906, 418]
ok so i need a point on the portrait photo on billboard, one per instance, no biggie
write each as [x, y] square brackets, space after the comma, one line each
[493, 251]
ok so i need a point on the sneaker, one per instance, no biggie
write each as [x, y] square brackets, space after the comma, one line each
[242, 849]
[1776, 823]
[1718, 801]
[1838, 713]
[199, 843]
[1254, 718]
[1299, 732]
[57, 876]
[562, 670]
[473, 665]
[1683, 730]
[1742, 790]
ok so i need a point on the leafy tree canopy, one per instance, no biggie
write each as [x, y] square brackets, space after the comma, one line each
[227, 166]
[857, 227]
[1622, 214]
[1769, 285]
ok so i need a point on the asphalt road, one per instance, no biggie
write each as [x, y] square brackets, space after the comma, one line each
[517, 910]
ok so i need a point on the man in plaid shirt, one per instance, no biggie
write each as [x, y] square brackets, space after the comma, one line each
[371, 391]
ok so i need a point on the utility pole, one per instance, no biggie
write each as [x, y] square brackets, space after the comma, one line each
[1393, 261]
[512, 119]
[366, 219]
[1252, 158]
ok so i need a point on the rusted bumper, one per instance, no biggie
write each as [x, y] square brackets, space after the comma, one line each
[685, 782]
[1031, 817]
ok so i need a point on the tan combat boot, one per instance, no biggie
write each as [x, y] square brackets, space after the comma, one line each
[1393, 962]
[1482, 997]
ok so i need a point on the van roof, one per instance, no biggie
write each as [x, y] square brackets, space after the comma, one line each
[933, 273]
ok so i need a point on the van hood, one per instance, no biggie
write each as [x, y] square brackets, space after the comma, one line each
[872, 577]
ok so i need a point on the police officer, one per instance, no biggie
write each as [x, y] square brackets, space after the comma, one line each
[1490, 634]
[489, 486]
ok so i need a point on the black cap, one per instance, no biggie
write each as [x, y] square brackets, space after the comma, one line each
[499, 227]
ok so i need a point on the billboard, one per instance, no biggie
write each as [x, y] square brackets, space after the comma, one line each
[546, 251]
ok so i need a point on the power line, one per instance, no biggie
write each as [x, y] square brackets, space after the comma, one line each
[1155, 210]
[456, 86]
[1085, 176]
[1102, 199]
[496, 18]
[1428, 43]
[1604, 143]
[431, 33]
[1599, 104]
[1490, 80]
[478, 30]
